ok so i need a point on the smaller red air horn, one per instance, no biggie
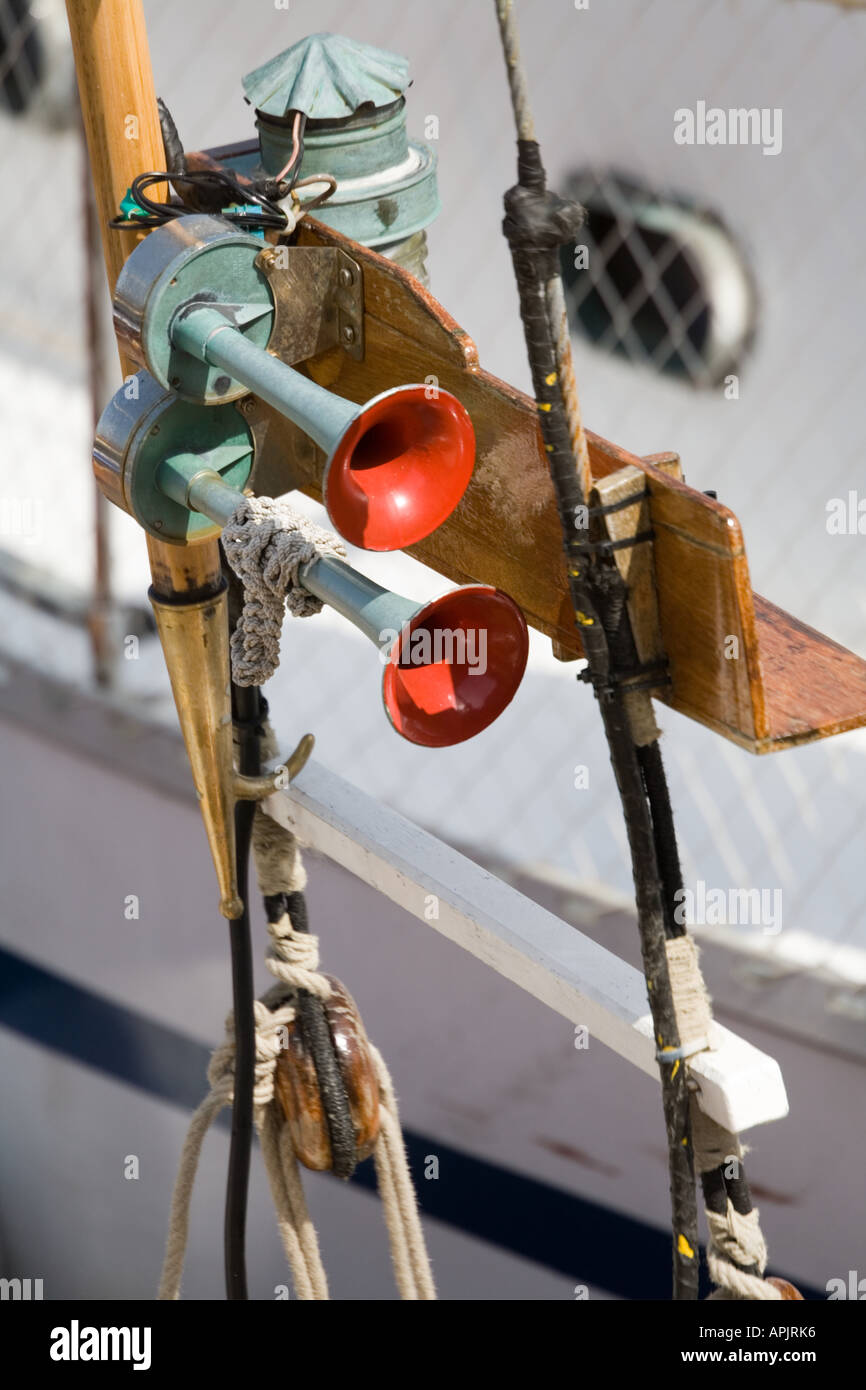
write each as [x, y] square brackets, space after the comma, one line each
[452, 665]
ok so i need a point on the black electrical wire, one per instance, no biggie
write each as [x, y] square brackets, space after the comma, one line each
[248, 711]
[235, 192]
[246, 714]
[217, 185]
[156, 214]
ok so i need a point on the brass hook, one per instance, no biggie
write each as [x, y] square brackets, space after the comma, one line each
[257, 788]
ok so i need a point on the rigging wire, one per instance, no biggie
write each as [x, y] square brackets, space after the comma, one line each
[537, 223]
[726, 1182]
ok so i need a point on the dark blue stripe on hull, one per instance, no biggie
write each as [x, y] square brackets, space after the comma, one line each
[583, 1240]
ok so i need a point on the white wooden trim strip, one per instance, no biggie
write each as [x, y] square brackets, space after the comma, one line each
[740, 1086]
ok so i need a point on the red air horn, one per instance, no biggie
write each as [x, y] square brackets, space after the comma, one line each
[396, 467]
[453, 665]
[399, 468]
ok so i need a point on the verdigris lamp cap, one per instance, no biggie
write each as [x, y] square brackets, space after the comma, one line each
[327, 77]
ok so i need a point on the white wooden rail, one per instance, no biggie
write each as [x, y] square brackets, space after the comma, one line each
[740, 1086]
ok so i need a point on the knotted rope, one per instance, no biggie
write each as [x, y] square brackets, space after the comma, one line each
[280, 870]
[293, 1218]
[737, 1252]
[412, 1271]
[266, 542]
[293, 960]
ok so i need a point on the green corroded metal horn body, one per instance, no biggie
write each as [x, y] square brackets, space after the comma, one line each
[451, 665]
[194, 307]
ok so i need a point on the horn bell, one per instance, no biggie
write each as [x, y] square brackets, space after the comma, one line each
[400, 468]
[455, 667]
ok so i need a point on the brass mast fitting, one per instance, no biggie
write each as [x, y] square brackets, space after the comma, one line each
[195, 641]
[141, 456]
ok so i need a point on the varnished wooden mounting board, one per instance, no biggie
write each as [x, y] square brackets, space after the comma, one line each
[738, 664]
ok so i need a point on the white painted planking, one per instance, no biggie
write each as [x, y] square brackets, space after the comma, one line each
[740, 1086]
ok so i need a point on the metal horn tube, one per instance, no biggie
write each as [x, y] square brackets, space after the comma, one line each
[451, 665]
[205, 333]
[370, 608]
[195, 306]
[182, 478]
[396, 467]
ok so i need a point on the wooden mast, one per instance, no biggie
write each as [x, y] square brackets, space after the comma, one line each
[121, 121]
[188, 595]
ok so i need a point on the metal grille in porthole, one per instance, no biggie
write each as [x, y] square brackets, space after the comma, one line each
[658, 281]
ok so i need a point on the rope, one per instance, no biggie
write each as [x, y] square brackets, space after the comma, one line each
[737, 1251]
[266, 542]
[293, 960]
[294, 1222]
[537, 224]
[281, 878]
[641, 718]
[691, 1001]
[412, 1270]
[558, 316]
[280, 871]
[275, 851]
[514, 67]
[293, 1218]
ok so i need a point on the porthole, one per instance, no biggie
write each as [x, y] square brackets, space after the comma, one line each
[658, 281]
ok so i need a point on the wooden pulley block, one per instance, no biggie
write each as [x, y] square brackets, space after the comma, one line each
[296, 1082]
[788, 1291]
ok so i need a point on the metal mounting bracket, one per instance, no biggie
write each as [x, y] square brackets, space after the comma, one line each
[318, 292]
